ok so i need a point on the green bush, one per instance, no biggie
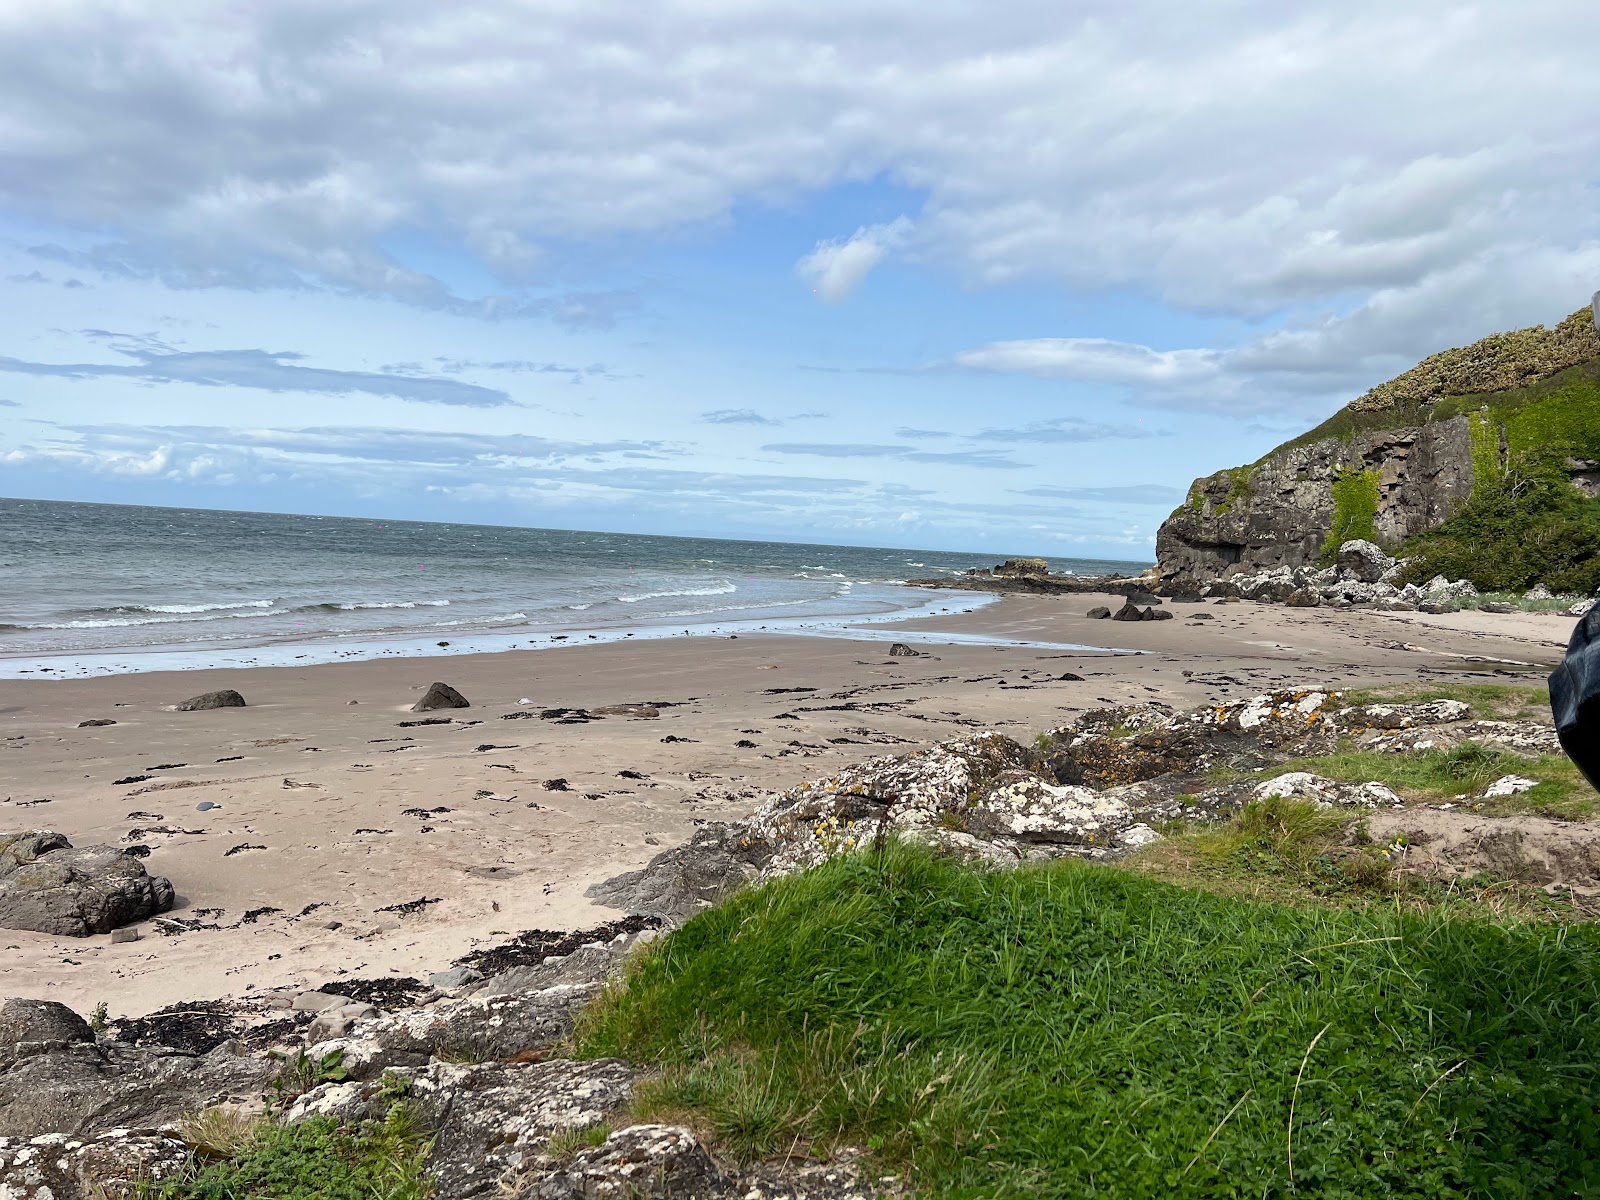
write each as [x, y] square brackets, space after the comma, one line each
[1524, 526]
[1083, 1031]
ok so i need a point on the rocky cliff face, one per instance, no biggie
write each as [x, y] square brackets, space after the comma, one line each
[1400, 459]
[1279, 513]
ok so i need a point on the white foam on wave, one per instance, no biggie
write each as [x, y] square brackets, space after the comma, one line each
[196, 608]
[393, 604]
[720, 589]
[122, 622]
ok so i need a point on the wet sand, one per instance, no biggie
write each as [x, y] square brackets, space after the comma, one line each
[327, 812]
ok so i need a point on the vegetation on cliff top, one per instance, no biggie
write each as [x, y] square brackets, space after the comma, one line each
[1497, 363]
[1084, 1031]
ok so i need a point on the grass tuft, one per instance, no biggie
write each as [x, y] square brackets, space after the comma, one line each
[1084, 1031]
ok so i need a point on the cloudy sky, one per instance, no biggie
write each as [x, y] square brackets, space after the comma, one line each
[999, 275]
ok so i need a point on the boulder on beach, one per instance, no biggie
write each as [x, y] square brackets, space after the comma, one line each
[1364, 562]
[1098, 613]
[440, 695]
[225, 698]
[901, 650]
[1128, 612]
[49, 887]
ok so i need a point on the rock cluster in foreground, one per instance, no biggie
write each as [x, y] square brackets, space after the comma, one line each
[49, 886]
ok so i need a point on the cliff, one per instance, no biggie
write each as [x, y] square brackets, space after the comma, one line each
[1403, 459]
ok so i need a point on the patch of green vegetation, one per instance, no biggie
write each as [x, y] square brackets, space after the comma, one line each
[314, 1159]
[1079, 1030]
[1355, 510]
[1484, 437]
[1238, 488]
[1525, 525]
[567, 1144]
[1435, 775]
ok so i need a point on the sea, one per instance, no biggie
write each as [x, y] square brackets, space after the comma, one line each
[99, 588]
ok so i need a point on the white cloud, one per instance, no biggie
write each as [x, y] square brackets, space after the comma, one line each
[837, 268]
[1240, 158]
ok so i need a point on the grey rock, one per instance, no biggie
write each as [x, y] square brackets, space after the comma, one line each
[1201, 616]
[32, 1024]
[651, 1162]
[1303, 598]
[1098, 613]
[1128, 612]
[1538, 592]
[585, 965]
[1402, 716]
[1498, 606]
[225, 698]
[480, 1027]
[1278, 512]
[1159, 614]
[97, 723]
[1439, 607]
[314, 1002]
[333, 1023]
[81, 1088]
[121, 936]
[454, 978]
[112, 1166]
[901, 650]
[718, 860]
[492, 1121]
[48, 886]
[1363, 561]
[440, 695]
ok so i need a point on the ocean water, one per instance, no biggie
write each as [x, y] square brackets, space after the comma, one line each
[91, 580]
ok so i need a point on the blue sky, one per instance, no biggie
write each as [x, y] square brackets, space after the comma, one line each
[1001, 276]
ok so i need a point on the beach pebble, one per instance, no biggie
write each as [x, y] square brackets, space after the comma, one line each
[97, 723]
[901, 650]
[225, 698]
[119, 936]
[440, 695]
[206, 806]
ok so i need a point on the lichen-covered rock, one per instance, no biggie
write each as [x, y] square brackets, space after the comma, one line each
[48, 886]
[1402, 716]
[111, 1166]
[492, 1121]
[1517, 737]
[479, 1026]
[1363, 562]
[716, 861]
[1509, 785]
[647, 1162]
[1326, 793]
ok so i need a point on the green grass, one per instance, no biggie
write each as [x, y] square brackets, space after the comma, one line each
[1085, 1031]
[1432, 776]
[315, 1159]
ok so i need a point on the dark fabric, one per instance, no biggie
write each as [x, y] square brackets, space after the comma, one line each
[1575, 697]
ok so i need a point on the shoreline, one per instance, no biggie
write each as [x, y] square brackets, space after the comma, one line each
[325, 813]
[79, 665]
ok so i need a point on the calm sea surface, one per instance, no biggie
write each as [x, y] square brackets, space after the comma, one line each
[87, 579]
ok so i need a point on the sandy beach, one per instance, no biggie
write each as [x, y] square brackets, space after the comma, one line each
[331, 817]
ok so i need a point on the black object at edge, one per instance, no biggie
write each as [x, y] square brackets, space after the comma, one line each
[1575, 697]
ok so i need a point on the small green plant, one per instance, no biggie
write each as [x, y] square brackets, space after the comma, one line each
[301, 1073]
[219, 1132]
[100, 1018]
[566, 1144]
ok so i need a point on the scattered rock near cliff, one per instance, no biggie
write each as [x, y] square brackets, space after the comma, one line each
[48, 886]
[223, 698]
[440, 695]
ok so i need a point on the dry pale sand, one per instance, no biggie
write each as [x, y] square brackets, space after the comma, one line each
[329, 812]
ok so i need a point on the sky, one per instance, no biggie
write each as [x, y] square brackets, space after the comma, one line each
[1000, 275]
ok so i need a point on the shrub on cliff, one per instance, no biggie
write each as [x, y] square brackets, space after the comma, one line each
[1524, 526]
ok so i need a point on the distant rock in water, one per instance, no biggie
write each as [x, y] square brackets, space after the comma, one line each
[49, 887]
[440, 695]
[1022, 566]
[226, 698]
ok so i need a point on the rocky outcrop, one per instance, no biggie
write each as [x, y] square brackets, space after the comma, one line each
[1399, 460]
[48, 886]
[1279, 511]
